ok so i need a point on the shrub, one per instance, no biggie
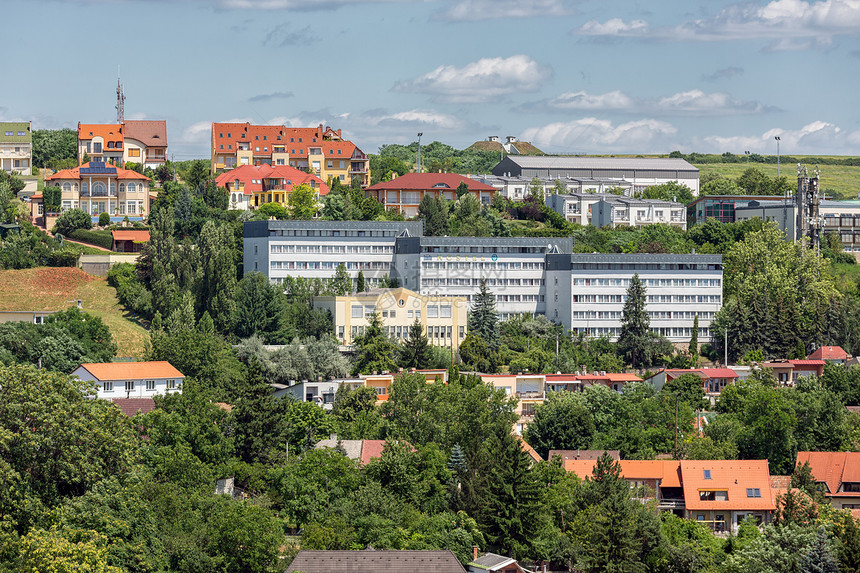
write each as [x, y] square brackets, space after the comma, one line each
[104, 219]
[72, 220]
[63, 258]
[98, 238]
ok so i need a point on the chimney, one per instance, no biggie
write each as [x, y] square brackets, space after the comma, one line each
[474, 552]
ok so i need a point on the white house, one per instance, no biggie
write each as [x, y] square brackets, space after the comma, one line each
[132, 379]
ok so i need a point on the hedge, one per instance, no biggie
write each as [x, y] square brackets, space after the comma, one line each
[98, 238]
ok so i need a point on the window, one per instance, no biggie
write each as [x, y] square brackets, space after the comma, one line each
[21, 133]
[707, 474]
[171, 384]
[9, 133]
[357, 311]
[107, 386]
[713, 495]
[753, 492]
[150, 385]
[432, 312]
[134, 152]
[132, 188]
[381, 390]
[129, 386]
[67, 187]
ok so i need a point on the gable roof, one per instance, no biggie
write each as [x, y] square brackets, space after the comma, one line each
[432, 181]
[75, 173]
[107, 131]
[582, 454]
[252, 177]
[667, 471]
[736, 477]
[524, 445]
[361, 450]
[372, 561]
[829, 353]
[103, 371]
[832, 468]
[492, 562]
[151, 133]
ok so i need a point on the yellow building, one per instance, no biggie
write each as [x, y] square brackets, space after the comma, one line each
[443, 318]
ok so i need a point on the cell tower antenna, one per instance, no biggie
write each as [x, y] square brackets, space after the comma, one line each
[120, 100]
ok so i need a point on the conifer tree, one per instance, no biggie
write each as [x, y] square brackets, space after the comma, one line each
[258, 417]
[694, 341]
[415, 352]
[819, 558]
[375, 349]
[483, 319]
[360, 285]
[633, 339]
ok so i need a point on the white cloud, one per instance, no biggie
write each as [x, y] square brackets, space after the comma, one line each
[196, 133]
[305, 5]
[783, 21]
[693, 102]
[480, 81]
[590, 135]
[476, 10]
[815, 138]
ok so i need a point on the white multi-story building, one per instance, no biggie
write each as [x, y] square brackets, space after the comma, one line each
[314, 249]
[577, 207]
[16, 146]
[625, 211]
[586, 292]
[517, 188]
[132, 379]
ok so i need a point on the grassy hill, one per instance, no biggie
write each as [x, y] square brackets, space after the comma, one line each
[49, 288]
[838, 181]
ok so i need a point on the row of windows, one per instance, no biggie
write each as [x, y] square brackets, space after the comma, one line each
[647, 266]
[99, 187]
[649, 282]
[703, 298]
[455, 249]
[614, 331]
[492, 282]
[20, 133]
[328, 233]
[333, 249]
[129, 385]
[329, 265]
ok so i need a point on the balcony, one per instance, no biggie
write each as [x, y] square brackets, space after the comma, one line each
[671, 504]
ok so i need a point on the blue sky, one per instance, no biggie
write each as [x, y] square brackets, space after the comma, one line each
[583, 76]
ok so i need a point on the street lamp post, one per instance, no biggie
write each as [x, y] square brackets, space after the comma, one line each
[747, 153]
[419, 151]
[777, 155]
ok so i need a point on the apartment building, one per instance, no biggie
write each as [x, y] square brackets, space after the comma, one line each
[405, 193]
[443, 318]
[251, 186]
[320, 150]
[586, 292]
[533, 275]
[16, 146]
[634, 173]
[577, 207]
[517, 188]
[136, 141]
[625, 211]
[97, 187]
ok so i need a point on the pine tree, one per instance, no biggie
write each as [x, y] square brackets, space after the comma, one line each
[694, 337]
[415, 352]
[633, 340]
[819, 558]
[483, 319]
[258, 417]
[360, 285]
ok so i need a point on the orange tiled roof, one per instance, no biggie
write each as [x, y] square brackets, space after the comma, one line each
[107, 131]
[529, 450]
[732, 476]
[432, 182]
[252, 176]
[127, 235]
[133, 406]
[667, 471]
[829, 353]
[832, 468]
[132, 370]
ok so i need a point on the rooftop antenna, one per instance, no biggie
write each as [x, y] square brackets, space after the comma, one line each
[120, 100]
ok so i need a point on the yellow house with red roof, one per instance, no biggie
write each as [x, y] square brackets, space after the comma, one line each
[132, 379]
[321, 151]
[251, 186]
[138, 141]
[98, 187]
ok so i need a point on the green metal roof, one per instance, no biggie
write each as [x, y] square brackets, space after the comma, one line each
[16, 127]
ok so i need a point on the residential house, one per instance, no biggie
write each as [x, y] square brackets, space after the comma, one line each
[373, 561]
[713, 379]
[405, 193]
[717, 493]
[129, 240]
[787, 372]
[323, 151]
[530, 451]
[133, 406]
[529, 389]
[32, 316]
[361, 450]
[97, 187]
[626, 211]
[145, 142]
[250, 186]
[577, 207]
[320, 392]
[831, 354]
[442, 318]
[838, 473]
[493, 563]
[16, 146]
[132, 379]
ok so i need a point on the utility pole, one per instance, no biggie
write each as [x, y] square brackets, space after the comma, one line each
[419, 151]
[777, 154]
[120, 100]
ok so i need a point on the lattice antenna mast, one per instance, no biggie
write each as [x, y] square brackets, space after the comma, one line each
[120, 100]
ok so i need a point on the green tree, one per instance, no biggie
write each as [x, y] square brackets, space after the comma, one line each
[375, 351]
[633, 341]
[670, 191]
[52, 198]
[259, 307]
[819, 558]
[340, 284]
[415, 351]
[65, 552]
[257, 418]
[687, 389]
[303, 202]
[434, 212]
[563, 422]
[694, 340]
[55, 148]
[803, 480]
[91, 333]
[216, 286]
[483, 318]
[360, 284]
[72, 220]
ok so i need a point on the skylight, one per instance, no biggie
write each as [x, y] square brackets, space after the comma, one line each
[707, 474]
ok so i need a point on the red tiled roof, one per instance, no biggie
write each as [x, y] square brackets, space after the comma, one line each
[75, 173]
[133, 406]
[252, 176]
[829, 353]
[431, 182]
[622, 377]
[151, 133]
[832, 468]
[807, 362]
[664, 470]
[132, 370]
[126, 235]
[529, 450]
[732, 476]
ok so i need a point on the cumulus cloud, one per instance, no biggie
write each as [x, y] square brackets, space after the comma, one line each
[475, 10]
[196, 133]
[724, 74]
[693, 102]
[591, 135]
[298, 5]
[790, 24]
[285, 35]
[480, 81]
[271, 96]
[815, 138]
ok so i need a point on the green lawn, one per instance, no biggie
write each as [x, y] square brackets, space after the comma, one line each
[838, 181]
